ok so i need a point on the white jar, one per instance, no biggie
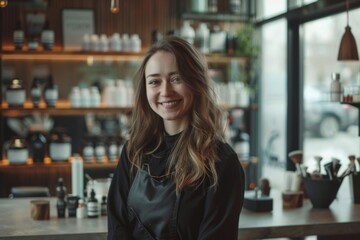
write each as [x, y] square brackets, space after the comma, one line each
[115, 42]
[15, 93]
[85, 45]
[18, 152]
[94, 42]
[95, 97]
[121, 96]
[187, 32]
[126, 44]
[199, 6]
[75, 97]
[47, 39]
[135, 43]
[203, 38]
[85, 97]
[103, 43]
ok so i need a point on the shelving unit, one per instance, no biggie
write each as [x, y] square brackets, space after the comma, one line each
[47, 174]
[62, 65]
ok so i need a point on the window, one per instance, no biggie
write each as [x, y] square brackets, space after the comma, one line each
[273, 95]
[330, 128]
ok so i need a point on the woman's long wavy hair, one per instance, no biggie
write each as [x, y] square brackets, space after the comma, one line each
[194, 154]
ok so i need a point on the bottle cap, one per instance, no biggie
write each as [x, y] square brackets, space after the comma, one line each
[335, 76]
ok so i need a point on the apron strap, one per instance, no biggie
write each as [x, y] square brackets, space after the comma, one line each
[173, 222]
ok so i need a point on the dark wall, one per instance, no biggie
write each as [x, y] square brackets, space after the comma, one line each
[135, 16]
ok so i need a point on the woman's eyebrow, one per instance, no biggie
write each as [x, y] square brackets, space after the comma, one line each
[157, 74]
[152, 75]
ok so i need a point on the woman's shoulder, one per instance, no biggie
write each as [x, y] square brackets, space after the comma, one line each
[224, 150]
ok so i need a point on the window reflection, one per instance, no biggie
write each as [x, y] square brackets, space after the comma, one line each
[330, 129]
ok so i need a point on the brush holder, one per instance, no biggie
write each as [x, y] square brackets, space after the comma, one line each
[322, 191]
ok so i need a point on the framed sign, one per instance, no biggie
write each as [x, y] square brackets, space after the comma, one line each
[76, 23]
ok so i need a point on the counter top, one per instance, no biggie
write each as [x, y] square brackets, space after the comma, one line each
[15, 220]
[343, 217]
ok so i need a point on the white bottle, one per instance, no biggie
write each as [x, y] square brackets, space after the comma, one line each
[121, 96]
[203, 38]
[103, 43]
[126, 44]
[135, 43]
[77, 176]
[95, 97]
[85, 97]
[199, 5]
[94, 42]
[85, 45]
[81, 209]
[187, 32]
[115, 42]
[75, 97]
[335, 88]
[109, 93]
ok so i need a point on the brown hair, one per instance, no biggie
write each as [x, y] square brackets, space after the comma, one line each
[194, 154]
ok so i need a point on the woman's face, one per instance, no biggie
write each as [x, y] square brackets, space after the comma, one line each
[167, 93]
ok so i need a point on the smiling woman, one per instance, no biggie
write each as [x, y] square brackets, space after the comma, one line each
[167, 93]
[176, 178]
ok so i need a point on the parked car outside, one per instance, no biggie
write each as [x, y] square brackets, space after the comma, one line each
[323, 118]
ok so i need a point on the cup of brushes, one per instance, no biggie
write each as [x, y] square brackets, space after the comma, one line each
[292, 195]
[322, 189]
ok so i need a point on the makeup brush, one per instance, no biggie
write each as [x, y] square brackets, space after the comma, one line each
[296, 158]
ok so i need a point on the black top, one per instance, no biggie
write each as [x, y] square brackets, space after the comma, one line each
[203, 213]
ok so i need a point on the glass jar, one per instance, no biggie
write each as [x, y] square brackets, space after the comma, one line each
[15, 93]
[17, 152]
[60, 146]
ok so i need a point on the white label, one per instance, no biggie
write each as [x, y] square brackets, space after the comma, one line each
[17, 155]
[60, 151]
[15, 97]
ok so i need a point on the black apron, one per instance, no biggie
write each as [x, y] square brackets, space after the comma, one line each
[152, 206]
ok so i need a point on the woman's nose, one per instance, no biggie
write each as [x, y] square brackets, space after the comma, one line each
[166, 88]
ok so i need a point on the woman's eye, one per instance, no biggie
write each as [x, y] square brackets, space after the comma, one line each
[175, 79]
[154, 82]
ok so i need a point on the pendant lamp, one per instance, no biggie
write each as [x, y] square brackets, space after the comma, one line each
[3, 3]
[114, 8]
[348, 50]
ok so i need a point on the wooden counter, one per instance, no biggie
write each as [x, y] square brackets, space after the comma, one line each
[343, 217]
[15, 220]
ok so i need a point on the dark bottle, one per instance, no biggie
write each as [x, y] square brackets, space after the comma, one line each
[36, 91]
[61, 202]
[18, 36]
[47, 36]
[92, 206]
[38, 145]
[103, 206]
[51, 93]
[88, 150]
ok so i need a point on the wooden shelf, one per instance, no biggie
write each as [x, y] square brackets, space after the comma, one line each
[62, 108]
[59, 55]
[230, 17]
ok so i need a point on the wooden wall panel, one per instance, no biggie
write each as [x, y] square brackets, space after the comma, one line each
[135, 16]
